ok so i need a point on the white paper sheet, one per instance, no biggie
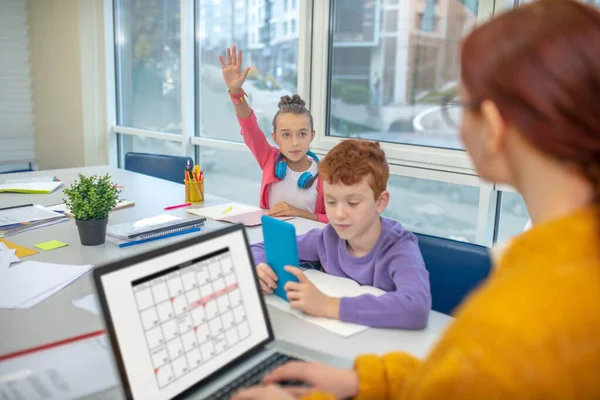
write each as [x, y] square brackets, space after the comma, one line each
[34, 179]
[332, 286]
[223, 211]
[89, 303]
[70, 371]
[29, 283]
[338, 327]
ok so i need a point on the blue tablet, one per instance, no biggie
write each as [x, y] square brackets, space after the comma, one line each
[281, 249]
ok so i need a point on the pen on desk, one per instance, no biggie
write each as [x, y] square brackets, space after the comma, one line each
[225, 211]
[21, 206]
[178, 206]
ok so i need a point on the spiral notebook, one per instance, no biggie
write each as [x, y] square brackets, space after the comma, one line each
[154, 227]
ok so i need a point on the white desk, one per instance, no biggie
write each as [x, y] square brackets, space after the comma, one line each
[57, 318]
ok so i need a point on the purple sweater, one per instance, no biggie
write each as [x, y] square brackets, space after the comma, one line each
[394, 265]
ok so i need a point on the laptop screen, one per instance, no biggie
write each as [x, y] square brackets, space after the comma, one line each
[181, 316]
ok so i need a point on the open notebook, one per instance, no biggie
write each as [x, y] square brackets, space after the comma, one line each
[234, 213]
[333, 286]
[30, 187]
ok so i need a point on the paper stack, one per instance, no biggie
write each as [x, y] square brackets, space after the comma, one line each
[20, 219]
[29, 283]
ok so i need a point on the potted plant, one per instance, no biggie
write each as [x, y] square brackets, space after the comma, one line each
[90, 199]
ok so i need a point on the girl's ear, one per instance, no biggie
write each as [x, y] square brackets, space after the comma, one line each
[273, 136]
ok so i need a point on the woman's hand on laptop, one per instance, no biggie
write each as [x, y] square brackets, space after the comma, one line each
[271, 392]
[267, 278]
[304, 296]
[342, 383]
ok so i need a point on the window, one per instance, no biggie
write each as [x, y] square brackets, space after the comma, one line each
[148, 63]
[232, 171]
[388, 65]
[434, 208]
[391, 21]
[17, 132]
[387, 79]
[231, 174]
[513, 216]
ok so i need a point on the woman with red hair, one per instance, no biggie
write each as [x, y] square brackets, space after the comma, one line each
[530, 93]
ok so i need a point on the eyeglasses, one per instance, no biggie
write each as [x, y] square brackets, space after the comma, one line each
[452, 109]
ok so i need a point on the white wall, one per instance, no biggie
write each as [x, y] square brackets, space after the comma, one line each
[67, 58]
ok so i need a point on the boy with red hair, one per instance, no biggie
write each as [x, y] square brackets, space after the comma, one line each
[358, 244]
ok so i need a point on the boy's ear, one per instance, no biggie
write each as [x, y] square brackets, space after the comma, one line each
[382, 201]
[313, 135]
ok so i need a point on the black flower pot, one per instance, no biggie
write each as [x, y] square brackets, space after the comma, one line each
[92, 232]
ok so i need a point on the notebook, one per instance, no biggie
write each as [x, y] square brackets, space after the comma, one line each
[30, 187]
[333, 286]
[149, 228]
[234, 213]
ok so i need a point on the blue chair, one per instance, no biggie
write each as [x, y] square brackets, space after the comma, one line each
[455, 269]
[171, 168]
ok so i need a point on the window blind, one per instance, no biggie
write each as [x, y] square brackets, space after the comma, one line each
[17, 135]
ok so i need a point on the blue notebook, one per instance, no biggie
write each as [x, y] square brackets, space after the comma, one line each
[127, 243]
[281, 249]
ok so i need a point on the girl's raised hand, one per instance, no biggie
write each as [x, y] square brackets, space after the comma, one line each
[232, 70]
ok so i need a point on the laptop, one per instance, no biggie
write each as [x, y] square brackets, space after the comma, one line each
[189, 321]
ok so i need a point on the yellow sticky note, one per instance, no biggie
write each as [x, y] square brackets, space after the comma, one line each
[21, 251]
[51, 245]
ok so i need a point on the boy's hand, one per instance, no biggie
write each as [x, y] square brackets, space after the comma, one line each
[267, 278]
[232, 75]
[283, 209]
[304, 296]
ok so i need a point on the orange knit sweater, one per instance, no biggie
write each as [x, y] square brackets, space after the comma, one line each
[532, 331]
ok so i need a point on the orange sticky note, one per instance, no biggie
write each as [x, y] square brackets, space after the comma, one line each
[21, 251]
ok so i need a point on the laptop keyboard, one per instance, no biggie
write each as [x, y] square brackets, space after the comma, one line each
[254, 376]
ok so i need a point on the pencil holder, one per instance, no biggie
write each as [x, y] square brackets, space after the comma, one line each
[194, 191]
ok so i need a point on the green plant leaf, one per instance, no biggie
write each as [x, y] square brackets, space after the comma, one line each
[91, 197]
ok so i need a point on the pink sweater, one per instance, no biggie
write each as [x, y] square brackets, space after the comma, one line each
[266, 155]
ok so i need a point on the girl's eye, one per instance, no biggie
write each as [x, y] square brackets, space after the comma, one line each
[330, 203]
[353, 204]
